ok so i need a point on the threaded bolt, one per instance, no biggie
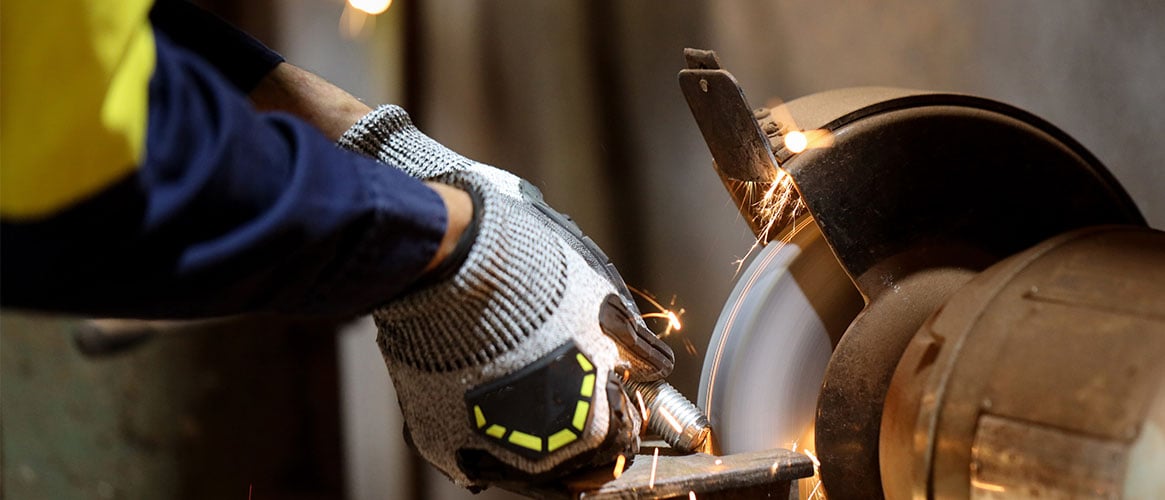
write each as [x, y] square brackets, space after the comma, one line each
[679, 422]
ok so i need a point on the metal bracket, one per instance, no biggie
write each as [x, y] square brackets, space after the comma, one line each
[739, 147]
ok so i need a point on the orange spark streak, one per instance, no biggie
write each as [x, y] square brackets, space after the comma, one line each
[619, 464]
[816, 473]
[691, 348]
[672, 316]
[673, 321]
[654, 464]
[998, 488]
[816, 489]
[816, 463]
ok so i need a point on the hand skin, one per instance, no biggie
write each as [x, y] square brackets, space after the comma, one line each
[333, 111]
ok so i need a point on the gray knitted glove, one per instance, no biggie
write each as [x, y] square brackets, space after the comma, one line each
[511, 370]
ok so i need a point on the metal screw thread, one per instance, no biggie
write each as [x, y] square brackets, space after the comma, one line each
[689, 430]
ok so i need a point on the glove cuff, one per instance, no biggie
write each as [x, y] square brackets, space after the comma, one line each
[388, 134]
[448, 267]
[508, 285]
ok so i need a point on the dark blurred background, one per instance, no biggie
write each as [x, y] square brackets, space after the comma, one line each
[581, 98]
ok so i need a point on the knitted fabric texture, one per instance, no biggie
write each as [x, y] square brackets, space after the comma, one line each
[521, 293]
[524, 290]
[506, 288]
[388, 134]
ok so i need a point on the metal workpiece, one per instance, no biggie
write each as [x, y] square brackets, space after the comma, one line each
[762, 474]
[679, 422]
[1041, 377]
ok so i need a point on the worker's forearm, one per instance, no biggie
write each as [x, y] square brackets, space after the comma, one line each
[332, 110]
[310, 97]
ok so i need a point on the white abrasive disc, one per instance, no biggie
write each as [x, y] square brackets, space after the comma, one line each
[767, 356]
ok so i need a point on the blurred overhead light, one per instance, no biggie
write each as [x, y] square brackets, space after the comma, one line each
[371, 7]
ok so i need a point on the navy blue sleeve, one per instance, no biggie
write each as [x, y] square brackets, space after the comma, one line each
[232, 211]
[240, 58]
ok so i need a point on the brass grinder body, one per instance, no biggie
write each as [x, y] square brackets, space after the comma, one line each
[1014, 315]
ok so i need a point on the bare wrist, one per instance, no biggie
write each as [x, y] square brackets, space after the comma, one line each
[309, 97]
[459, 209]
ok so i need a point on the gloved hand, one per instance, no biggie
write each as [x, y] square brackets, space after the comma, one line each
[510, 371]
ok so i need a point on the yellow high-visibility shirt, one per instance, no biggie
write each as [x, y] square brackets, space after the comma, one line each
[74, 77]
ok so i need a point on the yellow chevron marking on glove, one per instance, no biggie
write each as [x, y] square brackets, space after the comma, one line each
[479, 416]
[584, 362]
[496, 430]
[526, 440]
[580, 414]
[588, 386]
[560, 439]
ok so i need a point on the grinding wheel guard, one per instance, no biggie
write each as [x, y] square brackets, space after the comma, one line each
[914, 192]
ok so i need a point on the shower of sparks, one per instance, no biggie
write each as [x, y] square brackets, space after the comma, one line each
[816, 491]
[718, 461]
[671, 419]
[690, 347]
[776, 209]
[654, 464]
[670, 313]
[620, 462]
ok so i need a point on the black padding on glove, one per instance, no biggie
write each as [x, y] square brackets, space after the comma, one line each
[482, 467]
[629, 331]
